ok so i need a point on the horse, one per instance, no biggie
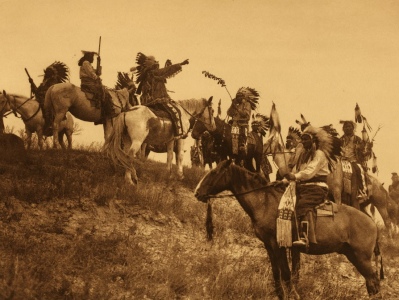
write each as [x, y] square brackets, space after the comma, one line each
[223, 144]
[350, 232]
[63, 97]
[32, 116]
[284, 159]
[141, 126]
[208, 149]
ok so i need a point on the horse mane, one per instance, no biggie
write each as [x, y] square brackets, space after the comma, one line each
[246, 175]
[193, 105]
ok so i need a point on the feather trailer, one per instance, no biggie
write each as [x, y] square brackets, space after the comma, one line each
[58, 71]
[261, 122]
[275, 125]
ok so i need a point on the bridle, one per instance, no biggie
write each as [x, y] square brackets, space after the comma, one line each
[219, 176]
[16, 107]
[208, 106]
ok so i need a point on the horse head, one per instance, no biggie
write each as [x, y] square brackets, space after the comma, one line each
[203, 121]
[214, 182]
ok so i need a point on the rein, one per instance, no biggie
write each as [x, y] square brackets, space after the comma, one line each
[238, 194]
[16, 108]
[200, 113]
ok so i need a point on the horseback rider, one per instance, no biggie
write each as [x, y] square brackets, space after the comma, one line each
[311, 173]
[91, 82]
[393, 189]
[151, 82]
[354, 150]
[240, 110]
[57, 72]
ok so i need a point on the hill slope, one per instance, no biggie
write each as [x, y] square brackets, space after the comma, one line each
[71, 229]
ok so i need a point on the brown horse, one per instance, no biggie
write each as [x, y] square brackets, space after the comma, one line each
[63, 97]
[350, 232]
[140, 126]
[32, 116]
[222, 140]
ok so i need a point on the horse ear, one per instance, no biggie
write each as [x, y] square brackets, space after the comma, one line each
[4, 92]
[210, 99]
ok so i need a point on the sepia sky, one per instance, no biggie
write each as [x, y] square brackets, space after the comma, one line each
[318, 58]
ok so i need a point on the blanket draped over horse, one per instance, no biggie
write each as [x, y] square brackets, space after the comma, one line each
[31, 114]
[63, 97]
[349, 232]
[133, 129]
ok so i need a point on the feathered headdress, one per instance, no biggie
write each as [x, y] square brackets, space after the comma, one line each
[249, 94]
[303, 123]
[324, 142]
[262, 122]
[123, 81]
[294, 133]
[57, 71]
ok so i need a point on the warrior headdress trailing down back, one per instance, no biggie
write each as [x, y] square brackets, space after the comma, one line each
[249, 94]
[323, 142]
[145, 64]
[57, 72]
[262, 122]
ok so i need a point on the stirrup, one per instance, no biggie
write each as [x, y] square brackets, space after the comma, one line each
[300, 243]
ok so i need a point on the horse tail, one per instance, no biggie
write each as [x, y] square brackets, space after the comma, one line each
[209, 222]
[113, 146]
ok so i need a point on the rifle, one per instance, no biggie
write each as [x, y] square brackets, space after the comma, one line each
[33, 86]
[98, 68]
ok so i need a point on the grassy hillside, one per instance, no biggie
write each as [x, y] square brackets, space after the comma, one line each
[71, 229]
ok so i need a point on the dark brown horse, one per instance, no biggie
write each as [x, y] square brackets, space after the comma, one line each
[350, 232]
[222, 140]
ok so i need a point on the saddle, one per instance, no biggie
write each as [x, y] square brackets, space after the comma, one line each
[307, 225]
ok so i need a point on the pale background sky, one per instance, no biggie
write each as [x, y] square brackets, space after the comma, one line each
[314, 57]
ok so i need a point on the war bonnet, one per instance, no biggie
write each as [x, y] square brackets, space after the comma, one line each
[249, 94]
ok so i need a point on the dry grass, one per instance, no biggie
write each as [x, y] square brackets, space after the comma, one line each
[71, 229]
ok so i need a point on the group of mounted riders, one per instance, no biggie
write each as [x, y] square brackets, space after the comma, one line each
[314, 158]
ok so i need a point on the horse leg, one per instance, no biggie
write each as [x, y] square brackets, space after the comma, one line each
[69, 138]
[179, 157]
[130, 173]
[56, 125]
[61, 139]
[362, 260]
[280, 269]
[40, 138]
[29, 139]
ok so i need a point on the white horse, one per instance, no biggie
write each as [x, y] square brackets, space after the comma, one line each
[32, 115]
[140, 126]
[63, 97]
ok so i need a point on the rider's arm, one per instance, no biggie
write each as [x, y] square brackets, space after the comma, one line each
[315, 166]
[88, 70]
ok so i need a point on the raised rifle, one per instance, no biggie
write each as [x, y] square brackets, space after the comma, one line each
[99, 68]
[33, 86]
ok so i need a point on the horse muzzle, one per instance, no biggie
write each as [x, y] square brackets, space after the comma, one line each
[201, 197]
